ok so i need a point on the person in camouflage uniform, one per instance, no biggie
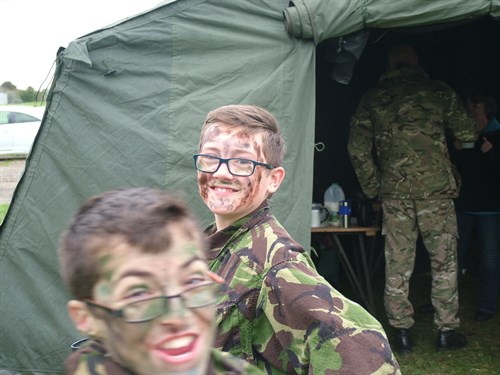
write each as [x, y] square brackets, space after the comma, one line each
[121, 254]
[277, 312]
[405, 120]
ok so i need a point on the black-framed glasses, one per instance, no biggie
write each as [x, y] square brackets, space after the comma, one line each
[236, 166]
[151, 308]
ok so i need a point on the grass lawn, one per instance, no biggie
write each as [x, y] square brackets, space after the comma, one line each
[3, 211]
[481, 356]
[5, 163]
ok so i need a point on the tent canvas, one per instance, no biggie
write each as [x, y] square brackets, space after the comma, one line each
[125, 109]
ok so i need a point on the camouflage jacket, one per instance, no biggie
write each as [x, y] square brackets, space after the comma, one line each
[405, 118]
[93, 359]
[280, 314]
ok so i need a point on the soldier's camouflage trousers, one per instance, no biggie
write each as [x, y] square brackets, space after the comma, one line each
[436, 221]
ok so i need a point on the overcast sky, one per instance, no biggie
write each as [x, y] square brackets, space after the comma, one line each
[31, 32]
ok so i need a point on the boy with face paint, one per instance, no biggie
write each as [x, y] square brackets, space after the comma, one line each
[278, 312]
[134, 262]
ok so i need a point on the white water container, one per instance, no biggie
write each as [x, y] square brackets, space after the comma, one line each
[333, 195]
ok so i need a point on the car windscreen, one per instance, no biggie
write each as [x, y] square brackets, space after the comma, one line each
[10, 117]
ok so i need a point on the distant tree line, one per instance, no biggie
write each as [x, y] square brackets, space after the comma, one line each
[15, 96]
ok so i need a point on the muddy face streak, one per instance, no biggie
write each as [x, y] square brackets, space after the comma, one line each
[202, 185]
[248, 196]
[212, 131]
[251, 187]
[258, 150]
[220, 203]
[259, 175]
[244, 136]
[241, 138]
[229, 146]
[253, 184]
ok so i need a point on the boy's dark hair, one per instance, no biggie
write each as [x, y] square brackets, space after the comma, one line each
[139, 217]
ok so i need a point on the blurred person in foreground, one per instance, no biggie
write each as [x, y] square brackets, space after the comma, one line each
[478, 205]
[134, 261]
[278, 312]
[404, 120]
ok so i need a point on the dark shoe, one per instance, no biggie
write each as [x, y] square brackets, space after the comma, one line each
[482, 316]
[450, 340]
[403, 344]
[426, 309]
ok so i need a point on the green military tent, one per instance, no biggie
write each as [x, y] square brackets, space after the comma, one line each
[125, 109]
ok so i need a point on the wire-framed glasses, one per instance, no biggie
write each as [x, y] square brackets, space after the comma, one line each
[236, 166]
[151, 308]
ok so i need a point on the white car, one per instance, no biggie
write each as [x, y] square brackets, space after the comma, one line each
[19, 125]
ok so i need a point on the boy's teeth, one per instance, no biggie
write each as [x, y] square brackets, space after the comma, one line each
[178, 343]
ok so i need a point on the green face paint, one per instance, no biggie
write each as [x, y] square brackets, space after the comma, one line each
[103, 291]
[103, 261]
[127, 275]
[192, 249]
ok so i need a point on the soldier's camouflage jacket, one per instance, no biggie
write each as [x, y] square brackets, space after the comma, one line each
[93, 359]
[280, 314]
[406, 118]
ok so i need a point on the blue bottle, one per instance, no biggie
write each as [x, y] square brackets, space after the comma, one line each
[345, 213]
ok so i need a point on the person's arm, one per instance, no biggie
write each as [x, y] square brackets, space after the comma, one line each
[490, 150]
[461, 124]
[360, 148]
[319, 330]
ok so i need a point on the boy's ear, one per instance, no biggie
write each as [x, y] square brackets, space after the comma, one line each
[81, 316]
[277, 176]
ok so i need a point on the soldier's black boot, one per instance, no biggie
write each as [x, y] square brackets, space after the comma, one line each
[450, 340]
[403, 343]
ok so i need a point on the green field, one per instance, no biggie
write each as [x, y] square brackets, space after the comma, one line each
[481, 356]
[3, 211]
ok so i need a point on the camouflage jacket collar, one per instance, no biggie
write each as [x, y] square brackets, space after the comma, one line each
[93, 359]
[217, 240]
[408, 72]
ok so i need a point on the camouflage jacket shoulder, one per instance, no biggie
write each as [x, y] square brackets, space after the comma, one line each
[92, 359]
[406, 119]
[280, 314]
[227, 364]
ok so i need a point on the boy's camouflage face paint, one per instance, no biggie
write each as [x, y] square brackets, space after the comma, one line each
[179, 341]
[232, 197]
[103, 261]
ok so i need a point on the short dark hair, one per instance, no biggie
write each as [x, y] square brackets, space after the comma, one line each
[139, 217]
[401, 55]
